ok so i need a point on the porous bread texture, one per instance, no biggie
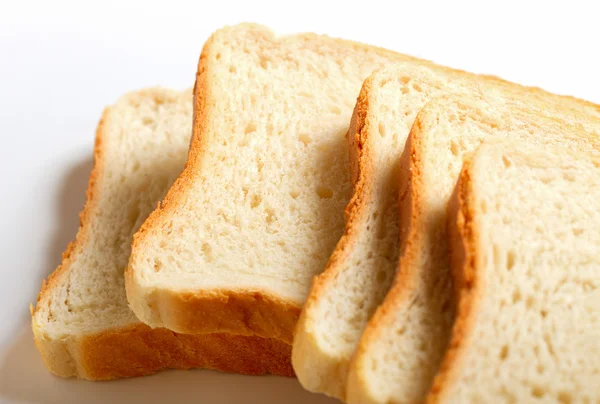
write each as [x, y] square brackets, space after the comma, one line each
[82, 324]
[403, 344]
[363, 265]
[259, 207]
[525, 230]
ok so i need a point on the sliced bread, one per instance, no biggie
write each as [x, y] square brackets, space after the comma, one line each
[82, 324]
[363, 265]
[524, 226]
[259, 208]
[403, 344]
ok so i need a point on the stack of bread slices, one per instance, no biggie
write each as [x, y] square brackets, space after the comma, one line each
[386, 229]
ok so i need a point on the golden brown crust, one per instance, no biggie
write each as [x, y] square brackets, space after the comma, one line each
[137, 349]
[359, 168]
[405, 281]
[241, 313]
[463, 258]
[361, 165]
[75, 247]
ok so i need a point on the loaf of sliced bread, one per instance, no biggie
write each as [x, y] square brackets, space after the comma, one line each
[82, 324]
[401, 348]
[363, 265]
[524, 226]
[259, 208]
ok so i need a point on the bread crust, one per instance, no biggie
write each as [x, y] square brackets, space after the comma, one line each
[462, 228]
[403, 285]
[242, 312]
[333, 370]
[136, 349]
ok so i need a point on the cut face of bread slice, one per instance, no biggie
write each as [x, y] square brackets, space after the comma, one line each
[363, 265]
[403, 344]
[82, 324]
[525, 230]
[259, 208]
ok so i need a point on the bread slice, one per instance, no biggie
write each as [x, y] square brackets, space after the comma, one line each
[525, 231]
[363, 265]
[82, 324]
[402, 346]
[259, 208]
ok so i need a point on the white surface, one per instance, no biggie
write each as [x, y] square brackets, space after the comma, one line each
[61, 62]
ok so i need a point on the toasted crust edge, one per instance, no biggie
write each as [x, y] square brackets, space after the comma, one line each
[57, 356]
[136, 349]
[308, 357]
[403, 285]
[464, 259]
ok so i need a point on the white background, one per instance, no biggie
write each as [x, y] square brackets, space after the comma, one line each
[61, 62]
